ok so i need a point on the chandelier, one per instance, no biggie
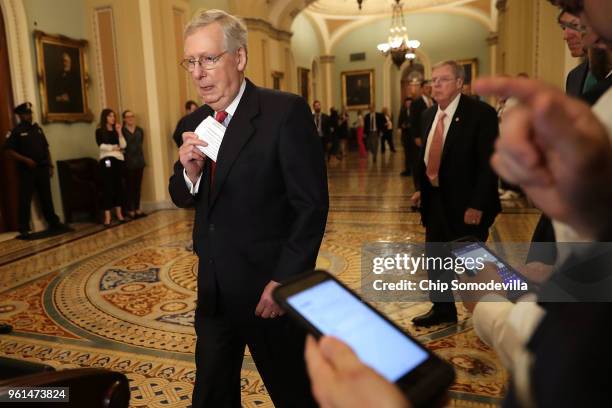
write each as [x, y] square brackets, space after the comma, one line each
[398, 44]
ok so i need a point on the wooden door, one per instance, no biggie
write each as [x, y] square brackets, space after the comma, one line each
[8, 173]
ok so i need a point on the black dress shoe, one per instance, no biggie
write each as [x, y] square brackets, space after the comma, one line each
[5, 328]
[434, 317]
[23, 235]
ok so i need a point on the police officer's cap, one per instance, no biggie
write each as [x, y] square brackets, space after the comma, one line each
[24, 108]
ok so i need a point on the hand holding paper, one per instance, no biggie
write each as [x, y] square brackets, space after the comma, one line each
[211, 132]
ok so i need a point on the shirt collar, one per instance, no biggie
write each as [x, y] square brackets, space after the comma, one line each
[451, 108]
[231, 109]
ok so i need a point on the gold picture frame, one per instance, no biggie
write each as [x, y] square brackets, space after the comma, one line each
[358, 91]
[62, 78]
[471, 69]
[303, 77]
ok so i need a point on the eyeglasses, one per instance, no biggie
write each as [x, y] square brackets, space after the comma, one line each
[442, 80]
[566, 25]
[206, 62]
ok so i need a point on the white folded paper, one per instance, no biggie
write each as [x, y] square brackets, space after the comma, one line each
[211, 132]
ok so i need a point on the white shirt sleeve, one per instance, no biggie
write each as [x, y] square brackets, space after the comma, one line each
[507, 327]
[192, 189]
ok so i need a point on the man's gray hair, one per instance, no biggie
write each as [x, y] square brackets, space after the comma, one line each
[234, 29]
[457, 69]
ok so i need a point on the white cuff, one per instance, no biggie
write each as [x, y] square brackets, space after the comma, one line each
[192, 189]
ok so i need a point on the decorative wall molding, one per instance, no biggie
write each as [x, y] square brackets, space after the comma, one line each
[100, 64]
[493, 39]
[267, 28]
[327, 59]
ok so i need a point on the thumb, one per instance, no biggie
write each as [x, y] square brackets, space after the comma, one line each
[339, 354]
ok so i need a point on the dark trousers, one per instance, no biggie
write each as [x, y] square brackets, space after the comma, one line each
[133, 184]
[111, 172]
[387, 136]
[411, 153]
[277, 347]
[38, 180]
[372, 143]
[437, 231]
[543, 248]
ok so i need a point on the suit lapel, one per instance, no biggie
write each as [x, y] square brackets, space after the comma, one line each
[454, 131]
[236, 136]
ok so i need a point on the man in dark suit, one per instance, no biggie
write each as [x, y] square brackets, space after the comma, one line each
[579, 82]
[573, 32]
[458, 189]
[260, 214]
[374, 123]
[404, 122]
[322, 124]
[420, 105]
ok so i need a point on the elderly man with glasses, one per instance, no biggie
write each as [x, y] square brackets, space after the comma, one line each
[260, 214]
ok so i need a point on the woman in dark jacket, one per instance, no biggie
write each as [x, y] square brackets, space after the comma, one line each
[110, 139]
[134, 163]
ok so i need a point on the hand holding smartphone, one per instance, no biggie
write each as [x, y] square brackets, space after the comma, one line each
[326, 307]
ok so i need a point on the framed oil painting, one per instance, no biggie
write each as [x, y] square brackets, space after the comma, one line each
[471, 69]
[303, 75]
[358, 89]
[62, 78]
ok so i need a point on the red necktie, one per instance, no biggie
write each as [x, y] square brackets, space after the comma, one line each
[435, 150]
[219, 117]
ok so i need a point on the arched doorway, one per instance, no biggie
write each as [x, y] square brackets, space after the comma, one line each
[8, 188]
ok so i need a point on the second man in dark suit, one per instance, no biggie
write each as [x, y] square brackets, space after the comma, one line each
[458, 189]
[374, 124]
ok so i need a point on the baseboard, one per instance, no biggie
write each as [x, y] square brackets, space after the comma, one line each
[148, 206]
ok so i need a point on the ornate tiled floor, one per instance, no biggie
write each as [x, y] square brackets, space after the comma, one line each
[123, 298]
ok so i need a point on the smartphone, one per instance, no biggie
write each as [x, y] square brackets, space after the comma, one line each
[471, 248]
[327, 307]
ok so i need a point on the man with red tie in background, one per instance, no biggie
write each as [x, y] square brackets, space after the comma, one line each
[260, 214]
[458, 189]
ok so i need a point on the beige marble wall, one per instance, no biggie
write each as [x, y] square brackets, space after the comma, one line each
[529, 40]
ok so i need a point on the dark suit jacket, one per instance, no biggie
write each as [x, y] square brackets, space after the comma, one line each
[592, 95]
[575, 79]
[265, 216]
[326, 124]
[416, 111]
[404, 122]
[465, 176]
[570, 348]
[380, 122]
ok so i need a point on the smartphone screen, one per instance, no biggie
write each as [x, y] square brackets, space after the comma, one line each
[476, 250]
[334, 311]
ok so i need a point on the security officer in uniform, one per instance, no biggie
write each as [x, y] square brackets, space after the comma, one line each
[28, 145]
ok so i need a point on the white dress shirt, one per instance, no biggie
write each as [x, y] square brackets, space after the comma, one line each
[450, 112]
[506, 327]
[231, 110]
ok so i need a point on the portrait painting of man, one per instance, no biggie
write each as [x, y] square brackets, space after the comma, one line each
[358, 89]
[62, 78]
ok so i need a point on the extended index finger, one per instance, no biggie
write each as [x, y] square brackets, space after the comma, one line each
[523, 89]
